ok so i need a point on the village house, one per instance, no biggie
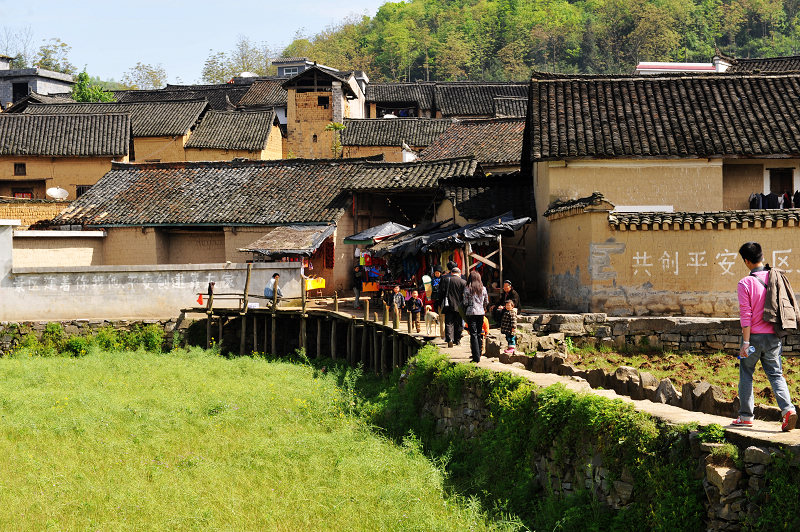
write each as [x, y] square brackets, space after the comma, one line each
[17, 83]
[70, 151]
[207, 212]
[458, 99]
[496, 143]
[363, 137]
[160, 129]
[227, 135]
[317, 97]
[675, 161]
[220, 97]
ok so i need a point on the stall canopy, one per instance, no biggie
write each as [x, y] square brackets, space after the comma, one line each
[291, 240]
[443, 237]
[376, 234]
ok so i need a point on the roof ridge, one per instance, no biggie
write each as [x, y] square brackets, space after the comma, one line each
[241, 162]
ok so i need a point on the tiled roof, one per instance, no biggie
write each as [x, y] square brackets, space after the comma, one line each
[481, 198]
[148, 119]
[510, 107]
[663, 116]
[221, 97]
[416, 175]
[393, 131]
[65, 135]
[490, 141]
[563, 208]
[766, 64]
[218, 193]
[282, 60]
[419, 93]
[233, 130]
[474, 98]
[267, 93]
[704, 220]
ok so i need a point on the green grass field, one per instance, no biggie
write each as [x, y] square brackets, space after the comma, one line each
[190, 440]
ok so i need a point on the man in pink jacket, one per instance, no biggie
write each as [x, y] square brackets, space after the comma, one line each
[759, 342]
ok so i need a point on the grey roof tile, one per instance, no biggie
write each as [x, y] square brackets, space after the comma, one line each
[468, 98]
[393, 131]
[510, 107]
[65, 135]
[482, 197]
[221, 97]
[233, 130]
[148, 119]
[267, 93]
[490, 141]
[663, 116]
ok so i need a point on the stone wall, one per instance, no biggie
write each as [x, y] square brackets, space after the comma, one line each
[12, 333]
[733, 494]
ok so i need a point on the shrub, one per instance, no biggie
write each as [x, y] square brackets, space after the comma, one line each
[76, 346]
[53, 336]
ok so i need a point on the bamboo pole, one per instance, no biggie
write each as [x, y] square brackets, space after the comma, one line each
[396, 317]
[386, 314]
[366, 309]
[336, 301]
[408, 319]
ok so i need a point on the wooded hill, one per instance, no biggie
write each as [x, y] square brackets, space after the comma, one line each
[507, 39]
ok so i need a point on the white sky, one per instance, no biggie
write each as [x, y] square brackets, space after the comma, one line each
[109, 37]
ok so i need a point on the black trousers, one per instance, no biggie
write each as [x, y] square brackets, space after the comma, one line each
[475, 325]
[453, 327]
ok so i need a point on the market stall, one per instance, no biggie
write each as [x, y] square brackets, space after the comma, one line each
[312, 245]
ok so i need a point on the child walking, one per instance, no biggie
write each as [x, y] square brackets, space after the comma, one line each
[414, 305]
[508, 326]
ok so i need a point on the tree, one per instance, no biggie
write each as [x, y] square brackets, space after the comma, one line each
[18, 44]
[246, 56]
[145, 76]
[53, 55]
[86, 91]
[336, 143]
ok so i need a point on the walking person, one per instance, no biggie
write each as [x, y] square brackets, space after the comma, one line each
[450, 294]
[475, 302]
[759, 341]
[358, 284]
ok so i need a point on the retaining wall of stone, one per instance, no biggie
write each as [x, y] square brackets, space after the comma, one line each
[732, 493]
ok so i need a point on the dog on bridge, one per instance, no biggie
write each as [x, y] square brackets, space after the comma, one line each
[431, 320]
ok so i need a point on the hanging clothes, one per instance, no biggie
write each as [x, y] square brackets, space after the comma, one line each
[796, 199]
[780, 202]
[755, 201]
[772, 201]
[787, 201]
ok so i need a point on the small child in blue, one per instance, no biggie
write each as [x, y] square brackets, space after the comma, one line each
[508, 326]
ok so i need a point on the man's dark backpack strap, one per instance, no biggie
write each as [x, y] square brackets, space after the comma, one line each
[760, 280]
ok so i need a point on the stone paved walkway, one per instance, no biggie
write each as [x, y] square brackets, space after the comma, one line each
[763, 432]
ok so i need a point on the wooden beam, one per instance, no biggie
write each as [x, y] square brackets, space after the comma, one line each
[484, 260]
[333, 339]
[320, 321]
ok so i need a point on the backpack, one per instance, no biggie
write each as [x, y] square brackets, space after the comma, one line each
[785, 318]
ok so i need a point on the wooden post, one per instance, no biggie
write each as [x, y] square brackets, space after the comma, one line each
[441, 324]
[333, 339]
[396, 350]
[396, 317]
[500, 258]
[467, 259]
[386, 314]
[364, 346]
[335, 301]
[303, 324]
[376, 350]
[255, 332]
[351, 356]
[319, 337]
[366, 309]
[384, 353]
[219, 324]
[243, 310]
[409, 323]
[273, 339]
[376, 317]
[266, 335]
[209, 314]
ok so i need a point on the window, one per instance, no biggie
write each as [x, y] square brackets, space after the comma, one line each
[19, 169]
[22, 193]
[781, 180]
[19, 91]
[314, 138]
[80, 190]
[290, 71]
[323, 101]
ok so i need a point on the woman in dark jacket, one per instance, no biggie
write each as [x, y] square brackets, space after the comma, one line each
[475, 302]
[507, 293]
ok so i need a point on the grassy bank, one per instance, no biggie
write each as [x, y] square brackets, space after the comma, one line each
[189, 440]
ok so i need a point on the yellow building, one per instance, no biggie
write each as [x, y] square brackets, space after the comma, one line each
[70, 151]
[702, 148]
[160, 129]
[225, 135]
[316, 97]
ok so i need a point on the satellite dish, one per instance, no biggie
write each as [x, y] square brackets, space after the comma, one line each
[57, 193]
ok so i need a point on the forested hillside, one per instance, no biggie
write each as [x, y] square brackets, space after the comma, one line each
[506, 39]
